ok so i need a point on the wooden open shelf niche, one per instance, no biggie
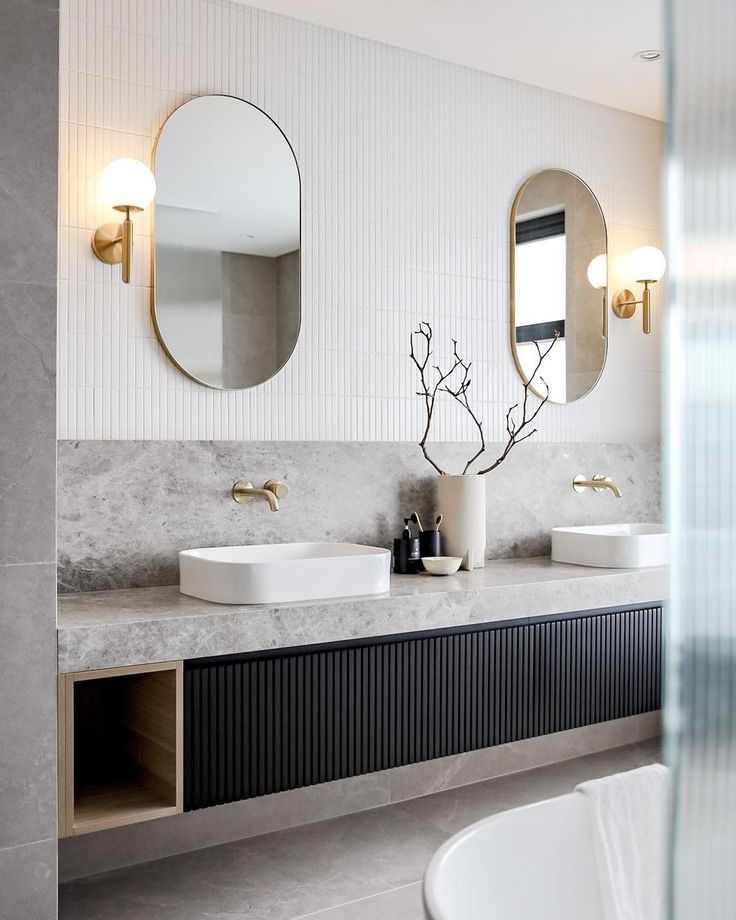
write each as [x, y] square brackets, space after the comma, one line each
[120, 746]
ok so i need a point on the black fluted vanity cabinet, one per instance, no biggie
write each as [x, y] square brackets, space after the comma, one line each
[270, 721]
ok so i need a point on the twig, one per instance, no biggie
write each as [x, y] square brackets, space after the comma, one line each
[516, 433]
[460, 394]
[428, 392]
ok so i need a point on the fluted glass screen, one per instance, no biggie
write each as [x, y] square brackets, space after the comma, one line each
[701, 456]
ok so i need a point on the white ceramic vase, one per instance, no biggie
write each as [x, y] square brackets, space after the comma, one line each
[461, 500]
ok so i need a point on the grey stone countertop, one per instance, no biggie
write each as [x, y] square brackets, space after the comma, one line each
[104, 629]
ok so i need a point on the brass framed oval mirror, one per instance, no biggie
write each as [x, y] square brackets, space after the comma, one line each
[559, 283]
[226, 290]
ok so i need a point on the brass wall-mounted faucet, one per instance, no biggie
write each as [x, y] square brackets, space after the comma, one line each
[272, 491]
[598, 483]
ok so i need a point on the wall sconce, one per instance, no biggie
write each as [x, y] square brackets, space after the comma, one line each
[598, 278]
[646, 265]
[126, 185]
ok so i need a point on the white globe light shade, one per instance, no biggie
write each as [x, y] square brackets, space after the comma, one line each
[646, 264]
[598, 271]
[127, 183]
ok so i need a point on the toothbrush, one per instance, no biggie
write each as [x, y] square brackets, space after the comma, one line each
[437, 523]
[415, 519]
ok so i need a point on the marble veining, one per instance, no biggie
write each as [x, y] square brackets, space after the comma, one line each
[126, 508]
[113, 628]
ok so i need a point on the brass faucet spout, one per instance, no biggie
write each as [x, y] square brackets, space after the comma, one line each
[273, 502]
[272, 491]
[598, 483]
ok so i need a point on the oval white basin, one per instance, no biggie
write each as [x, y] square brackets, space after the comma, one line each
[615, 546]
[283, 572]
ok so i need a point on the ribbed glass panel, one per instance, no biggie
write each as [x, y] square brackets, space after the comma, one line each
[701, 354]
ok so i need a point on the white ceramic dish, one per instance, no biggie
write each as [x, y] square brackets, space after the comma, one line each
[442, 565]
[283, 572]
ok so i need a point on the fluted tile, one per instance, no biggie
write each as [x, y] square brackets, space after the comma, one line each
[385, 243]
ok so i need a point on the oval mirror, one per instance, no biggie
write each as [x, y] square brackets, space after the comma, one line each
[559, 280]
[226, 286]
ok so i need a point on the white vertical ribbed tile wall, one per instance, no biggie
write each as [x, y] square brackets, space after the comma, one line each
[409, 166]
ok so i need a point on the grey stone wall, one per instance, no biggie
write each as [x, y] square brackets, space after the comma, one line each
[29, 75]
[127, 507]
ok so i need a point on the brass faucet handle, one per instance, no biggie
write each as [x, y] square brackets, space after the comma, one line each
[279, 489]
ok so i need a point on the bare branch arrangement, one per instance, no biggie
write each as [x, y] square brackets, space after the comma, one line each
[442, 383]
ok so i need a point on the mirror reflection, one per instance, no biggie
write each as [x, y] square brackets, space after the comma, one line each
[558, 283]
[226, 293]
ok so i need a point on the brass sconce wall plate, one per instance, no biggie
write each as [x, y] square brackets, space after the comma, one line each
[107, 243]
[624, 304]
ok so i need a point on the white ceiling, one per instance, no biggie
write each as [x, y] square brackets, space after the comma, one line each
[583, 48]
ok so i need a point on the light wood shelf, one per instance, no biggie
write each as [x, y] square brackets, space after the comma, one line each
[120, 746]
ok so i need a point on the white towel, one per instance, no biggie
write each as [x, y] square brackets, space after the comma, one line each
[628, 815]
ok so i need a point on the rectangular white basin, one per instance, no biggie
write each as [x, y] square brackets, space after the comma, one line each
[613, 546]
[283, 572]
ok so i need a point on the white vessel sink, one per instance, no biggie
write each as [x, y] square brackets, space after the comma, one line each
[613, 546]
[283, 572]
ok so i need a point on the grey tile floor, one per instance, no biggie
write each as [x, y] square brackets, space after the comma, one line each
[366, 866]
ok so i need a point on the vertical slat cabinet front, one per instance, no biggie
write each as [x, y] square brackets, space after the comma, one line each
[257, 724]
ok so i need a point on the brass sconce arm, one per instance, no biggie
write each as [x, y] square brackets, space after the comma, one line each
[113, 244]
[625, 304]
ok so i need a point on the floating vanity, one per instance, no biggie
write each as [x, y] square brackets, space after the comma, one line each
[206, 704]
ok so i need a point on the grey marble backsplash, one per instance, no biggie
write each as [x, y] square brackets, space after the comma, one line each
[125, 508]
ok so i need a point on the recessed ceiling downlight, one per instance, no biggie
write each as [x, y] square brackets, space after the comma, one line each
[649, 56]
